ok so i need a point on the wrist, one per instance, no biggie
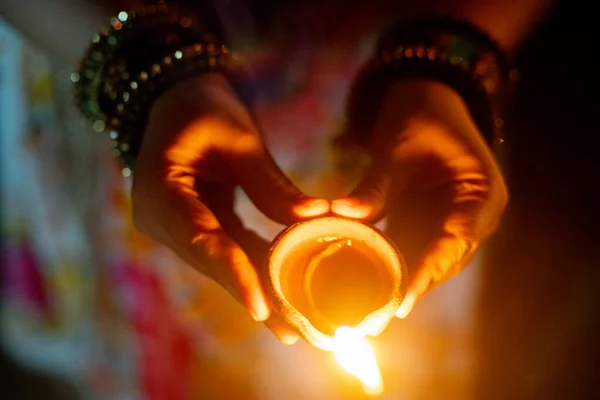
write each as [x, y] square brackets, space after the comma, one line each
[431, 116]
[206, 94]
[134, 59]
[422, 102]
[444, 50]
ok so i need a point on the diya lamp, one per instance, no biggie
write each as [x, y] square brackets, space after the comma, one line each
[337, 281]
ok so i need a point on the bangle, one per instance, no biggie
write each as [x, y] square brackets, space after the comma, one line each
[442, 49]
[132, 103]
[129, 63]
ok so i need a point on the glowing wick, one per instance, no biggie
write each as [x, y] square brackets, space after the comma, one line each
[355, 355]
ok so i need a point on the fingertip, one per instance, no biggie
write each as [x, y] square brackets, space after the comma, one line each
[250, 290]
[288, 338]
[259, 310]
[310, 207]
[351, 207]
[282, 330]
[406, 307]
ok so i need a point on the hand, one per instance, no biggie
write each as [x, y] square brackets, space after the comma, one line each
[434, 178]
[199, 145]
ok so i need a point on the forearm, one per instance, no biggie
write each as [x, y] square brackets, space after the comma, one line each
[61, 27]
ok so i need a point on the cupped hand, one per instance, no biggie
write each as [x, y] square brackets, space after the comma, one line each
[434, 178]
[200, 144]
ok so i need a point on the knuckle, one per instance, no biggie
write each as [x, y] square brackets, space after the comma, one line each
[219, 258]
[375, 194]
[210, 246]
[451, 255]
[248, 142]
[203, 251]
[203, 243]
[477, 189]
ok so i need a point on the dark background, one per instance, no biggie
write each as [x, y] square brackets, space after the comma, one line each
[539, 319]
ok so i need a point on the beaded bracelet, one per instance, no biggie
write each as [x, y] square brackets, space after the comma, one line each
[135, 58]
[442, 49]
[127, 126]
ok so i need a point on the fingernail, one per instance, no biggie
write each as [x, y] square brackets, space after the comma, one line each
[289, 338]
[406, 306]
[260, 312]
[311, 208]
[347, 208]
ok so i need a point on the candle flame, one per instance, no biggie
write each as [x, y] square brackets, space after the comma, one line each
[355, 355]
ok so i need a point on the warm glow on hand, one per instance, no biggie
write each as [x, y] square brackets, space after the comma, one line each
[433, 177]
[355, 355]
[200, 145]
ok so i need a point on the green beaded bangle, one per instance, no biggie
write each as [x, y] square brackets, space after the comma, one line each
[128, 123]
[124, 70]
[442, 49]
[121, 29]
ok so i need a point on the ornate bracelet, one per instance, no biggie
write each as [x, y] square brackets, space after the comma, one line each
[442, 49]
[132, 61]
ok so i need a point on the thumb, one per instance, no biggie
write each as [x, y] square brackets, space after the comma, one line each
[443, 259]
[271, 191]
[375, 193]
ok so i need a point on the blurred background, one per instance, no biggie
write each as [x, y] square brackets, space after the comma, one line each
[90, 309]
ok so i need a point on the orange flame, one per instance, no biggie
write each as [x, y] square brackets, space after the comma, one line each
[355, 355]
